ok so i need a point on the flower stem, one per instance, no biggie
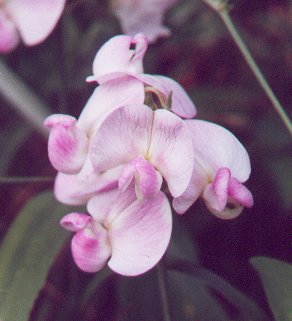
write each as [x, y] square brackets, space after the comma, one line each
[163, 291]
[222, 8]
[24, 180]
[22, 99]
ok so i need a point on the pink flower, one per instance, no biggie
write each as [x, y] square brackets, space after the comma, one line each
[147, 145]
[30, 20]
[145, 16]
[129, 234]
[117, 59]
[221, 166]
[117, 154]
[119, 141]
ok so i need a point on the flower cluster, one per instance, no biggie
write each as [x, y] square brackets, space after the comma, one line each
[30, 20]
[134, 142]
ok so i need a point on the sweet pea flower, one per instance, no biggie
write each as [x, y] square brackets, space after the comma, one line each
[30, 20]
[119, 71]
[147, 145]
[118, 141]
[128, 234]
[145, 16]
[221, 166]
[117, 58]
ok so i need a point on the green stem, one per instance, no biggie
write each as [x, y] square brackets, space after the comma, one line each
[224, 14]
[23, 99]
[93, 286]
[62, 65]
[23, 180]
[163, 291]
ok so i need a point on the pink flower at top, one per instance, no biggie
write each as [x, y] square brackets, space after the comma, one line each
[30, 20]
[143, 16]
[130, 234]
[221, 165]
[123, 56]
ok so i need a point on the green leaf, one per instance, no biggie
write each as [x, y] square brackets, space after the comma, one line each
[281, 172]
[94, 285]
[190, 300]
[277, 280]
[212, 290]
[27, 253]
[139, 298]
[18, 133]
[181, 245]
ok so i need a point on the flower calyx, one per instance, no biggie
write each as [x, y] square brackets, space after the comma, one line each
[155, 99]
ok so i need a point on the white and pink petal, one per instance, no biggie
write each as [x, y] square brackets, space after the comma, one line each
[225, 197]
[140, 235]
[171, 151]
[127, 60]
[239, 193]
[75, 221]
[143, 16]
[108, 97]
[76, 190]
[104, 207]
[90, 247]
[195, 188]
[68, 144]
[147, 179]
[216, 193]
[35, 19]
[216, 147]
[123, 135]
[221, 163]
